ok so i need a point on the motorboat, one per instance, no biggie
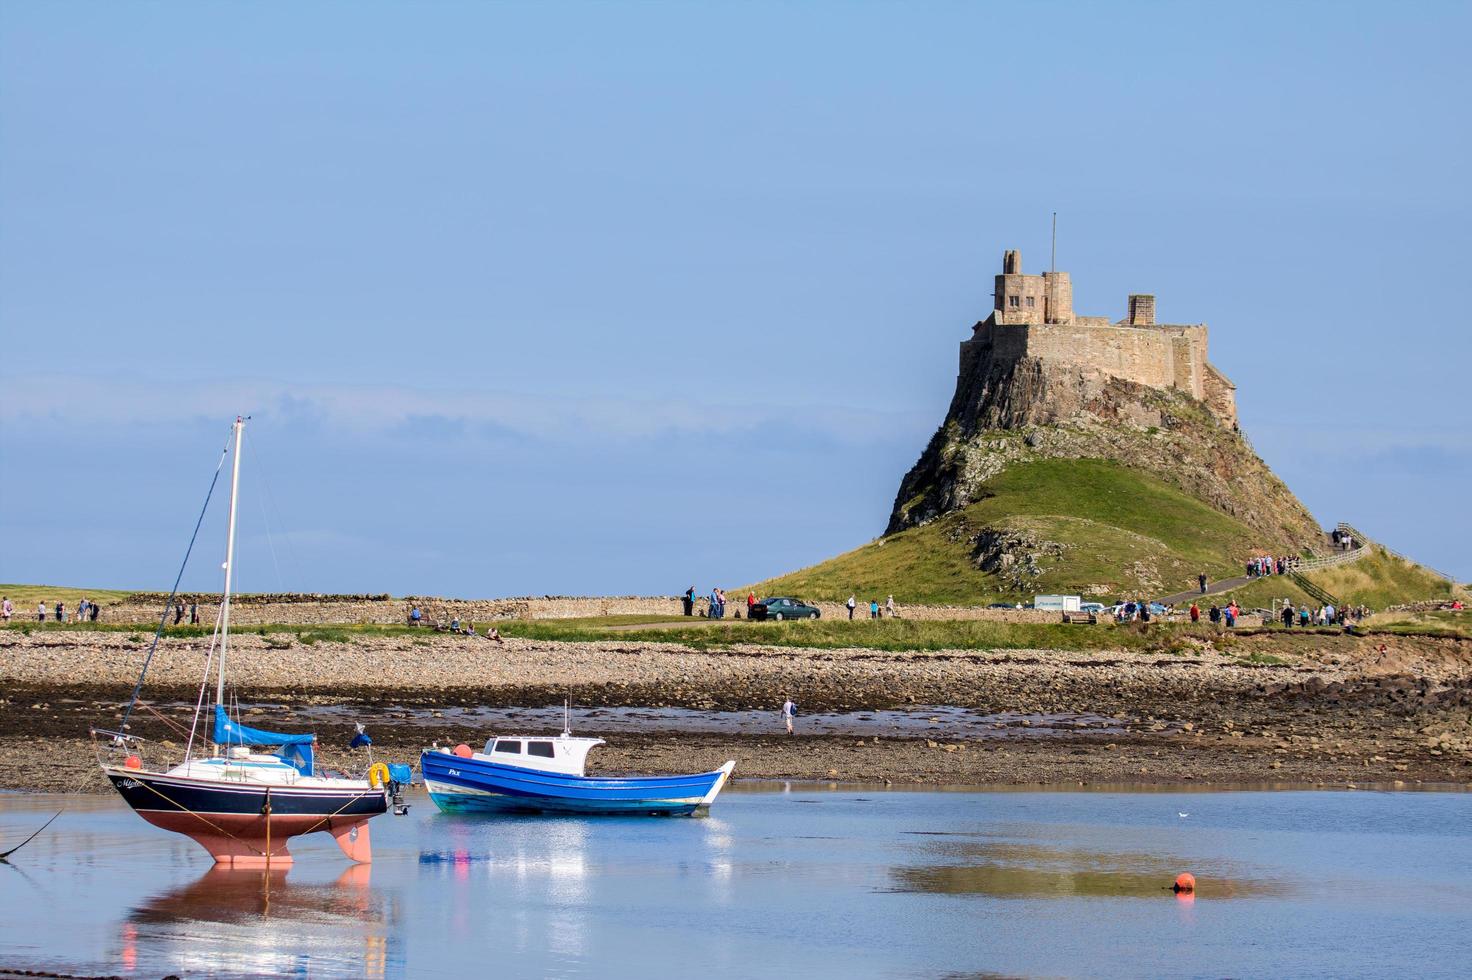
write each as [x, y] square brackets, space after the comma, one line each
[542, 774]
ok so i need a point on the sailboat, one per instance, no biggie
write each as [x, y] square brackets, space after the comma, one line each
[239, 804]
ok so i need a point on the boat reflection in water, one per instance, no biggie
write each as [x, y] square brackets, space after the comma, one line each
[260, 923]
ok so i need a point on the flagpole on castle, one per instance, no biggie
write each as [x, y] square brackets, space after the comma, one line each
[1053, 262]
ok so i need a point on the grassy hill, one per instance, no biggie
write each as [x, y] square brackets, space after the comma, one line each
[1084, 526]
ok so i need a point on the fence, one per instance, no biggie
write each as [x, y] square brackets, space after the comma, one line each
[1365, 541]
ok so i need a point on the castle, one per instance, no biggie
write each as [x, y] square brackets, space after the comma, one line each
[1032, 317]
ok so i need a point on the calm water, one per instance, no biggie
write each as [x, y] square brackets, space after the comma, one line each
[795, 882]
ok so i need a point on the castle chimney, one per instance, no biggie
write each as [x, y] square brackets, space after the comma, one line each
[1012, 262]
[1142, 310]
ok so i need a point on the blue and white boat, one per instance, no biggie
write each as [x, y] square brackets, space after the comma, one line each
[541, 774]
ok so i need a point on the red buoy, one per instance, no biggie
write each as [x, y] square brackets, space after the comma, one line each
[462, 750]
[1185, 882]
[132, 762]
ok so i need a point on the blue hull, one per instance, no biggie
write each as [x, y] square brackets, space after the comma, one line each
[460, 785]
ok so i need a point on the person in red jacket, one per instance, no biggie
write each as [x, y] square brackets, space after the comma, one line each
[750, 602]
[1195, 613]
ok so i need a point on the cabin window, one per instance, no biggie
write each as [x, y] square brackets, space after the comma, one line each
[543, 749]
[503, 745]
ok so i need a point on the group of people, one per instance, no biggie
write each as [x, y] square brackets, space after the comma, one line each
[874, 612]
[193, 613]
[1218, 615]
[715, 603]
[416, 618]
[87, 611]
[1134, 611]
[1325, 615]
[1343, 540]
[1262, 565]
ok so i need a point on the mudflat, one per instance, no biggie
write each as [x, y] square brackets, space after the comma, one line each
[1282, 710]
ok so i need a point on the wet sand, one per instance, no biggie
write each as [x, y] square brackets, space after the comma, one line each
[1336, 712]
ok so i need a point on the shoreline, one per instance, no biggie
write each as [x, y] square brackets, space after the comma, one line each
[1307, 711]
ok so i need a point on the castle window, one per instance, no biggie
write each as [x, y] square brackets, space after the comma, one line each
[1012, 302]
[1031, 302]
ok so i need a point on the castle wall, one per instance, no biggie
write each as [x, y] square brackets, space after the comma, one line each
[1221, 394]
[1033, 317]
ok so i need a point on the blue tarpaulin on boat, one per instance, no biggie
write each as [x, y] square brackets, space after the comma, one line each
[295, 749]
[400, 773]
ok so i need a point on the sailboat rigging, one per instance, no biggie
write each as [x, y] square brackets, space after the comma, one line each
[242, 805]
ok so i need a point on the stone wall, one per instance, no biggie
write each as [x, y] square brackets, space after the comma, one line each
[336, 611]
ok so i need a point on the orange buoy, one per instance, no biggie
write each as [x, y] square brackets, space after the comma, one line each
[462, 750]
[1185, 882]
[132, 762]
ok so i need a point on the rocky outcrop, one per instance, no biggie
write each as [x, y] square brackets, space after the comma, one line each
[1007, 411]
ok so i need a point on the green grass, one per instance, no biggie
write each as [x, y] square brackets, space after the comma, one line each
[1435, 623]
[25, 597]
[317, 633]
[1379, 580]
[887, 634]
[1260, 593]
[1107, 516]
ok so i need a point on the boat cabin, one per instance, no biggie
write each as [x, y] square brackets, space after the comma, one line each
[563, 754]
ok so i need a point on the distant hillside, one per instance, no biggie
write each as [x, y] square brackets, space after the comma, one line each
[1086, 526]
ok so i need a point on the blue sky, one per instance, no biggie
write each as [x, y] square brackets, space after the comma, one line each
[558, 298]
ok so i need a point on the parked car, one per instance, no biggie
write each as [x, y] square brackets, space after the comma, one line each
[784, 608]
[1004, 605]
[1091, 607]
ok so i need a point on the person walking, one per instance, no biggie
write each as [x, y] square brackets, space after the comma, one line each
[6, 609]
[851, 606]
[1201, 581]
[889, 607]
[1195, 613]
[93, 611]
[61, 612]
[1287, 616]
[178, 612]
[194, 613]
[873, 608]
[789, 711]
[689, 600]
[40, 612]
[1214, 614]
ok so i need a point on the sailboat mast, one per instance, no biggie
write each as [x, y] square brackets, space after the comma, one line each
[229, 560]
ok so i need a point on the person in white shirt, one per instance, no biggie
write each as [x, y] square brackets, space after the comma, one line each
[889, 606]
[851, 605]
[789, 711]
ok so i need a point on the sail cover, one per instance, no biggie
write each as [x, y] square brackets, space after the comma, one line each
[296, 750]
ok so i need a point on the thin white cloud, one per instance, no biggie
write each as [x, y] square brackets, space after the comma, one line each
[371, 410]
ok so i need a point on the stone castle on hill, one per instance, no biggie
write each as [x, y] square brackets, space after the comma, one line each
[1037, 381]
[1032, 317]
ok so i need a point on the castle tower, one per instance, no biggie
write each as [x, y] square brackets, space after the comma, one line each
[1142, 310]
[1019, 298]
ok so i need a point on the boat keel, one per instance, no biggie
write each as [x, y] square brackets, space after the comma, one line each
[355, 839]
[240, 841]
